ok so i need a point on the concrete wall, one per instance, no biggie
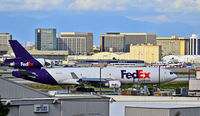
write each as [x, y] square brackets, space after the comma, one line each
[145, 112]
[85, 107]
[21, 108]
[194, 85]
[64, 107]
[27, 110]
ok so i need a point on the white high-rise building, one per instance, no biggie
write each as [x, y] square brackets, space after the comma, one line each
[75, 43]
[194, 41]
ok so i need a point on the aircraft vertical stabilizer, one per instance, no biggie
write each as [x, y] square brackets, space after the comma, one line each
[19, 51]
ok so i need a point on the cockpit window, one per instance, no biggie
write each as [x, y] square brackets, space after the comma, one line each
[171, 73]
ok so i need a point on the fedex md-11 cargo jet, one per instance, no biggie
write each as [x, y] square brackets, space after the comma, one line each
[112, 77]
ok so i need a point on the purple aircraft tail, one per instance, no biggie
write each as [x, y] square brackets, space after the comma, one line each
[19, 51]
[23, 59]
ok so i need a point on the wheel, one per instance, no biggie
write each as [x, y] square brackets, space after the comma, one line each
[91, 90]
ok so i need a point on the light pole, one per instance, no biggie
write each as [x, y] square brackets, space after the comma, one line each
[159, 75]
[133, 83]
[100, 81]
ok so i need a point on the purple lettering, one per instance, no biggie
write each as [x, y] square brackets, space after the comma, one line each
[137, 74]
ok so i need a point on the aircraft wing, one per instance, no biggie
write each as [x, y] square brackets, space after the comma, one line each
[93, 79]
[97, 82]
[74, 76]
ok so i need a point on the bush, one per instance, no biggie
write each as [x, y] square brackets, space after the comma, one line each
[4, 110]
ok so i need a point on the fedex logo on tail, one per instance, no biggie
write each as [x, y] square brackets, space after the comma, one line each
[138, 74]
[27, 64]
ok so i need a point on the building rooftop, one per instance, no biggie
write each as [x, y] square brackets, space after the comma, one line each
[172, 38]
[122, 34]
[156, 99]
[162, 106]
[49, 52]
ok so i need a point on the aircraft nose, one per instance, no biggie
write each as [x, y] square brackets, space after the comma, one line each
[174, 76]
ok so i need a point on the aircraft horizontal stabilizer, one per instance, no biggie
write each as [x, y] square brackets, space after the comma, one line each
[24, 74]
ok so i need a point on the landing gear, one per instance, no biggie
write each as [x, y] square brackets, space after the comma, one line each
[82, 88]
[85, 89]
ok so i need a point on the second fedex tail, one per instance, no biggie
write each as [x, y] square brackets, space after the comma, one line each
[111, 77]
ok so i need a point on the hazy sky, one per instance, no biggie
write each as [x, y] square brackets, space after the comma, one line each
[163, 17]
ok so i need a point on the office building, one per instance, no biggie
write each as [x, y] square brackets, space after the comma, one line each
[75, 43]
[146, 52]
[45, 39]
[174, 45]
[139, 38]
[115, 41]
[194, 45]
[120, 42]
[4, 43]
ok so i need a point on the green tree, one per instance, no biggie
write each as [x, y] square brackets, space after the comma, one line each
[4, 110]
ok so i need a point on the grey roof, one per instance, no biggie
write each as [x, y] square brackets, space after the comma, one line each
[10, 89]
[163, 106]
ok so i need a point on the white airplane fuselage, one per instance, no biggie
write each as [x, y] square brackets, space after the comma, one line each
[123, 74]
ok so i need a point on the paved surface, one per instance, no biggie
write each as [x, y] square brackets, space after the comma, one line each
[184, 78]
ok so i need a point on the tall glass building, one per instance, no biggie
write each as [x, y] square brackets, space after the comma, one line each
[45, 39]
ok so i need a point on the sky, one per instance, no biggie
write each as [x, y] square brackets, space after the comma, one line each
[163, 17]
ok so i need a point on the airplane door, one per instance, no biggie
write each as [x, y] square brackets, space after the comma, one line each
[164, 77]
